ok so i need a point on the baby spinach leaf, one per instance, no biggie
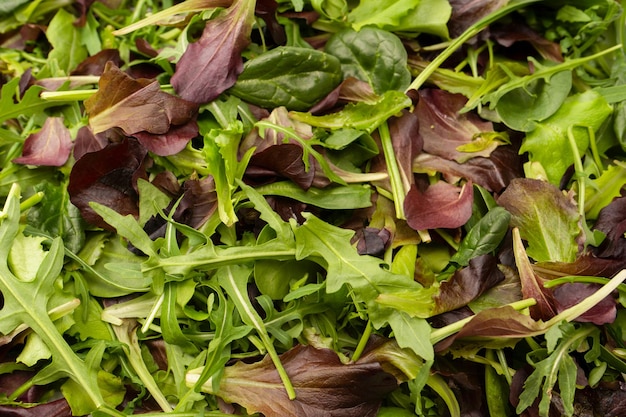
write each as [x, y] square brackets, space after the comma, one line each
[65, 39]
[289, 76]
[371, 55]
[521, 108]
[484, 237]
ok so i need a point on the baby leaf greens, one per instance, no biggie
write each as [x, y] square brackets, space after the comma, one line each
[312, 207]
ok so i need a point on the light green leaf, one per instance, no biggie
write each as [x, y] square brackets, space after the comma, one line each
[25, 256]
[546, 218]
[548, 143]
[416, 16]
[65, 38]
[362, 116]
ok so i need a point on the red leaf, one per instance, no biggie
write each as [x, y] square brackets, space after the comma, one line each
[442, 205]
[135, 105]
[211, 65]
[532, 284]
[109, 177]
[51, 146]
[324, 385]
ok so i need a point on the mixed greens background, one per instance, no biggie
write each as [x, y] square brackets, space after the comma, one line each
[312, 208]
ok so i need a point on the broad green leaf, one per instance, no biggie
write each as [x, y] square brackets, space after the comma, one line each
[362, 116]
[546, 218]
[549, 145]
[523, 107]
[65, 38]
[8, 6]
[371, 55]
[288, 76]
[421, 16]
[25, 257]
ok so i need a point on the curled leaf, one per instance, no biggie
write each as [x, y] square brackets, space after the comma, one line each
[441, 205]
[135, 105]
[324, 385]
[51, 146]
[211, 65]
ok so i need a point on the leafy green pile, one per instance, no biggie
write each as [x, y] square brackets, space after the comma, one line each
[312, 207]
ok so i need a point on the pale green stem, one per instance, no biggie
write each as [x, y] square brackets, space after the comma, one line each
[362, 342]
[469, 33]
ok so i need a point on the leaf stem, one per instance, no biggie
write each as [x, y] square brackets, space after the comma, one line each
[469, 33]
[437, 335]
[398, 187]
[362, 341]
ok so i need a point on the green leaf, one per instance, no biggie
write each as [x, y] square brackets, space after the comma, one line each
[371, 55]
[412, 333]
[57, 216]
[8, 6]
[27, 302]
[546, 218]
[13, 106]
[603, 189]
[421, 16]
[548, 143]
[65, 38]
[344, 197]
[25, 257]
[523, 107]
[289, 76]
[361, 115]
[484, 237]
[126, 227]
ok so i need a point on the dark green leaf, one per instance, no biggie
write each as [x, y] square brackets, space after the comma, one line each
[293, 77]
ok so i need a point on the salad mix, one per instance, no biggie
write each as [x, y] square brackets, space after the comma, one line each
[312, 208]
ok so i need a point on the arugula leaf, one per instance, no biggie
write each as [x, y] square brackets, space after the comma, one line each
[27, 302]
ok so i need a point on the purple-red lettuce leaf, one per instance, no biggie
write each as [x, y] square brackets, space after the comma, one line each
[211, 65]
[570, 294]
[139, 106]
[466, 13]
[493, 173]
[532, 283]
[467, 284]
[96, 64]
[282, 160]
[547, 219]
[171, 142]
[51, 146]
[514, 34]
[612, 222]
[441, 205]
[324, 385]
[108, 177]
[450, 134]
[86, 142]
[584, 265]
